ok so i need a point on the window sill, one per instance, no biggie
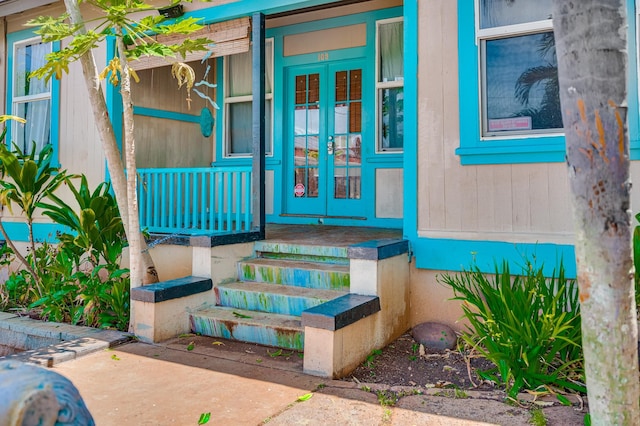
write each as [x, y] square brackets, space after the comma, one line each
[494, 154]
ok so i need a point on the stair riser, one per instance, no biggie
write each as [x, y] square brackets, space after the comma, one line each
[296, 251]
[306, 258]
[265, 302]
[263, 335]
[294, 277]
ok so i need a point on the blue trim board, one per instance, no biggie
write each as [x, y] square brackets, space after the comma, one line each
[410, 195]
[457, 255]
[18, 231]
[238, 9]
[169, 115]
[633, 113]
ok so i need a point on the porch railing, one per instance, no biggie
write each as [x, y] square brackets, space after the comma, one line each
[207, 200]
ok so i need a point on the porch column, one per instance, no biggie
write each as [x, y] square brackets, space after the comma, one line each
[258, 126]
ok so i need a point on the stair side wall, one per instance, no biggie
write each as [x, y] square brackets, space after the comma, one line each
[336, 353]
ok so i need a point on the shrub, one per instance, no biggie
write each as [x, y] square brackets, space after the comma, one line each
[79, 280]
[527, 325]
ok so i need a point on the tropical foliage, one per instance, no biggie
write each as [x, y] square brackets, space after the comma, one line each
[78, 280]
[527, 325]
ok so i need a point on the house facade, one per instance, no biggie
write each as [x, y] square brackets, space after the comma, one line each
[437, 117]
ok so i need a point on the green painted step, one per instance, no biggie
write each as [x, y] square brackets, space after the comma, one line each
[282, 331]
[295, 273]
[279, 250]
[279, 299]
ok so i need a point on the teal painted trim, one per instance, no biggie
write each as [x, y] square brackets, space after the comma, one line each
[237, 9]
[457, 255]
[335, 221]
[19, 232]
[633, 113]
[410, 195]
[54, 137]
[473, 150]
[334, 55]
[393, 160]
[169, 115]
[114, 98]
[340, 21]
[523, 153]
[278, 125]
[219, 113]
[114, 102]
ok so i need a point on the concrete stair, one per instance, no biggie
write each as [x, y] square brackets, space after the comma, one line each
[273, 289]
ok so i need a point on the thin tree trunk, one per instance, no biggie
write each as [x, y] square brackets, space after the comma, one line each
[17, 253]
[592, 68]
[109, 143]
[135, 249]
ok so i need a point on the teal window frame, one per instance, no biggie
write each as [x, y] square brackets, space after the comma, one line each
[381, 87]
[12, 40]
[228, 100]
[533, 148]
[475, 149]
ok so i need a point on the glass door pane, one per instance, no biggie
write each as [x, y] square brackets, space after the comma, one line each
[307, 132]
[347, 134]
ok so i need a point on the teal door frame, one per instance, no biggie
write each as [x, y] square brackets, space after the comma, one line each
[325, 139]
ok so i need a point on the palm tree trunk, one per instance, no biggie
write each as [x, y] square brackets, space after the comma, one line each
[591, 48]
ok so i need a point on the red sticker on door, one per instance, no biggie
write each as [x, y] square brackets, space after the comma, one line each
[298, 190]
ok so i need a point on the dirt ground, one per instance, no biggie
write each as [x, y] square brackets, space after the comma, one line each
[405, 363]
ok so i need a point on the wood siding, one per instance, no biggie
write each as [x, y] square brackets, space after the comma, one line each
[519, 202]
[162, 142]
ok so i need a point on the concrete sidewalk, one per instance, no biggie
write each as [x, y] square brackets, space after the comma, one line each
[170, 384]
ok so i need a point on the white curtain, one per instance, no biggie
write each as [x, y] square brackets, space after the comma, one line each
[240, 113]
[240, 66]
[496, 13]
[391, 51]
[37, 112]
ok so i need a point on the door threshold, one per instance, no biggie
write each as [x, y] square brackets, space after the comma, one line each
[319, 216]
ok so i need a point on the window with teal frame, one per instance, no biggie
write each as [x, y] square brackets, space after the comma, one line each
[33, 99]
[390, 85]
[508, 80]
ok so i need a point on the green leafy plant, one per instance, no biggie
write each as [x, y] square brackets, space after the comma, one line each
[369, 361]
[79, 280]
[527, 325]
[25, 179]
[636, 260]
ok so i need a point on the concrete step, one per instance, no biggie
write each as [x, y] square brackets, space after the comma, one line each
[265, 297]
[282, 250]
[295, 273]
[277, 330]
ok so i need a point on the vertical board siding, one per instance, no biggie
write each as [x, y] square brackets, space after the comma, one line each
[198, 200]
[481, 202]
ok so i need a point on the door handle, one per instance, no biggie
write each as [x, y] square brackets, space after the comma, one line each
[330, 146]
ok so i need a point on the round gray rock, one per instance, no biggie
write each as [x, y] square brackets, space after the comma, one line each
[434, 335]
